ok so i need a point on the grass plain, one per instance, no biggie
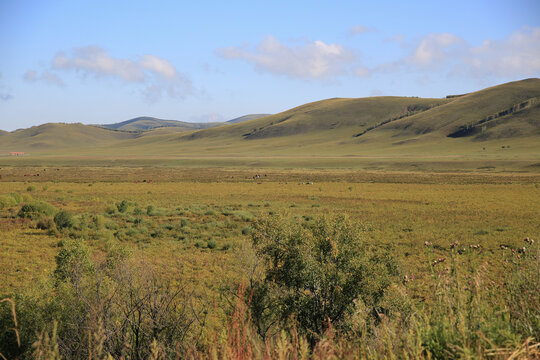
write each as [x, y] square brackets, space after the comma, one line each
[215, 205]
[193, 225]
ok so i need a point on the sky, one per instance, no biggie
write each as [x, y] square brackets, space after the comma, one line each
[99, 62]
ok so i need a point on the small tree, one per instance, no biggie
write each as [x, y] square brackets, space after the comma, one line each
[315, 272]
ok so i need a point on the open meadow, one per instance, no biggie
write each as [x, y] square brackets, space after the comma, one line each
[447, 234]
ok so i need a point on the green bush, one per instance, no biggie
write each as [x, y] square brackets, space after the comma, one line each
[150, 210]
[31, 188]
[73, 261]
[211, 244]
[36, 209]
[314, 273]
[122, 206]
[64, 220]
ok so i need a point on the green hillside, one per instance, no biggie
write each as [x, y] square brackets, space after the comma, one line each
[55, 136]
[501, 123]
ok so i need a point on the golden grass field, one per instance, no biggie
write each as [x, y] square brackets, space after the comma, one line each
[403, 209]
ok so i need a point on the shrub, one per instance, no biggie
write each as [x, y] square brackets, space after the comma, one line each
[122, 206]
[36, 209]
[30, 188]
[64, 220]
[46, 224]
[110, 210]
[73, 262]
[247, 230]
[211, 244]
[314, 273]
[150, 210]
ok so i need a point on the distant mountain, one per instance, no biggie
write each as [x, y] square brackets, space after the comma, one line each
[247, 118]
[145, 123]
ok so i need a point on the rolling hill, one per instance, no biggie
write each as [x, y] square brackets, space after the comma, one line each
[57, 136]
[501, 122]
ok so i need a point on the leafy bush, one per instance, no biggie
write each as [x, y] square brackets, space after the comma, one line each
[150, 210]
[64, 220]
[314, 273]
[122, 206]
[31, 188]
[211, 244]
[36, 209]
[73, 262]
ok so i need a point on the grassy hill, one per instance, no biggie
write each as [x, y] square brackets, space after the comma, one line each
[500, 123]
[57, 136]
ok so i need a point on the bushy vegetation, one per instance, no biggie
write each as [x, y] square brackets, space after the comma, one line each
[36, 209]
[313, 274]
[414, 270]
[64, 220]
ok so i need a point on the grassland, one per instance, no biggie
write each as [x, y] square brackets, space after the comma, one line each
[194, 225]
[102, 228]
[404, 209]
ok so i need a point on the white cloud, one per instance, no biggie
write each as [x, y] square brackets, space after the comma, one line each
[157, 75]
[311, 60]
[359, 29]
[436, 48]
[45, 76]
[159, 66]
[93, 60]
[517, 55]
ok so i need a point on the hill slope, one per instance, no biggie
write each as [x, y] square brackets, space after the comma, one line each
[477, 124]
[54, 136]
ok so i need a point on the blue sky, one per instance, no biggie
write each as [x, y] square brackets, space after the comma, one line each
[109, 61]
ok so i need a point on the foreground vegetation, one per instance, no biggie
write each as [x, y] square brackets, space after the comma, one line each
[228, 264]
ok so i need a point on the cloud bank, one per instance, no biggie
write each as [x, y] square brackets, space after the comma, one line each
[517, 55]
[156, 76]
[308, 61]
